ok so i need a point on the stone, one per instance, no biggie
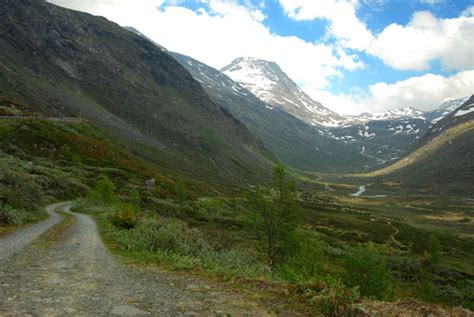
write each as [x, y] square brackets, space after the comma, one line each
[150, 183]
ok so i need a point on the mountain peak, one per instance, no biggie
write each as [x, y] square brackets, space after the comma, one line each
[271, 84]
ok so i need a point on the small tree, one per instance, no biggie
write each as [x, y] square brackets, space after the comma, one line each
[434, 250]
[105, 189]
[273, 216]
[179, 189]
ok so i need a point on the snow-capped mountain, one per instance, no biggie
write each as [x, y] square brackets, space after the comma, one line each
[268, 82]
[400, 113]
[444, 109]
[293, 141]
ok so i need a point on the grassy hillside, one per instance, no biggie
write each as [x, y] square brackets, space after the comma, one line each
[186, 225]
[62, 62]
[430, 148]
[441, 162]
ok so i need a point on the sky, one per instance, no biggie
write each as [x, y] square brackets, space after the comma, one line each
[352, 55]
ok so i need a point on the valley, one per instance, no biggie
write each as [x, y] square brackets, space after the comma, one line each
[139, 181]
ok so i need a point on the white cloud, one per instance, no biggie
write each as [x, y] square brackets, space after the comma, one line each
[424, 92]
[425, 39]
[414, 46]
[222, 31]
[344, 24]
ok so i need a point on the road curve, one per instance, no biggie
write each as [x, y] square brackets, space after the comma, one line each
[17, 240]
[76, 275]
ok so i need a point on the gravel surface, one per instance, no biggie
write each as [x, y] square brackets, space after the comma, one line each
[77, 276]
[16, 241]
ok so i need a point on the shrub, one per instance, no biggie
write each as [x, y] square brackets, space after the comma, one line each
[12, 216]
[366, 268]
[433, 247]
[21, 191]
[150, 234]
[124, 218]
[306, 261]
[105, 190]
[332, 298]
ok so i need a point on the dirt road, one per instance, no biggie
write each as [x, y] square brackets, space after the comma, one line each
[77, 276]
[13, 243]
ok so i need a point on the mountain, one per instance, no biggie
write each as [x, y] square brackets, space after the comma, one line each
[61, 62]
[268, 82]
[292, 141]
[384, 140]
[442, 160]
[460, 115]
[400, 113]
[444, 109]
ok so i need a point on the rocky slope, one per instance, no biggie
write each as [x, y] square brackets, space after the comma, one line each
[294, 142]
[62, 62]
[268, 82]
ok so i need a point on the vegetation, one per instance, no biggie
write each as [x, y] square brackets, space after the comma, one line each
[328, 250]
[273, 216]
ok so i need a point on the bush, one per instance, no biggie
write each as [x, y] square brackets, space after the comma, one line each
[366, 268]
[124, 218]
[331, 297]
[12, 216]
[306, 261]
[149, 234]
[105, 190]
[21, 191]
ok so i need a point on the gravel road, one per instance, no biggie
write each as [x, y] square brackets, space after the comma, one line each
[16, 241]
[77, 276]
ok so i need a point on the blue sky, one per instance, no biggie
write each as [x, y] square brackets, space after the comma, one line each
[352, 55]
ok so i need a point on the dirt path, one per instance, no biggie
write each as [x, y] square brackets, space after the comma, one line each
[16, 241]
[77, 276]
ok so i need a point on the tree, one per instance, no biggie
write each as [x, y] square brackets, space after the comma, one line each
[105, 189]
[434, 250]
[273, 216]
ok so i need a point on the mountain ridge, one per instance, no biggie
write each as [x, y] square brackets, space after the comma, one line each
[271, 84]
[87, 66]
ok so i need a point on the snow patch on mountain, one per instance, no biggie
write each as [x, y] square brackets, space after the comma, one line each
[463, 112]
[270, 84]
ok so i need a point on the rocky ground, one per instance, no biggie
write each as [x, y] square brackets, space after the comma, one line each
[77, 276]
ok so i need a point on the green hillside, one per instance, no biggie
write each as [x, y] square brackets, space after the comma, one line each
[66, 63]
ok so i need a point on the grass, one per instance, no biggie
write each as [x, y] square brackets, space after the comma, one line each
[55, 234]
[200, 228]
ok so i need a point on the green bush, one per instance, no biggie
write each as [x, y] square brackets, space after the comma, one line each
[305, 262]
[149, 234]
[21, 191]
[12, 216]
[331, 297]
[366, 268]
[105, 190]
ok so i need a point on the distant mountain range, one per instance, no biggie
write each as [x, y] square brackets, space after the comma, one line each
[442, 160]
